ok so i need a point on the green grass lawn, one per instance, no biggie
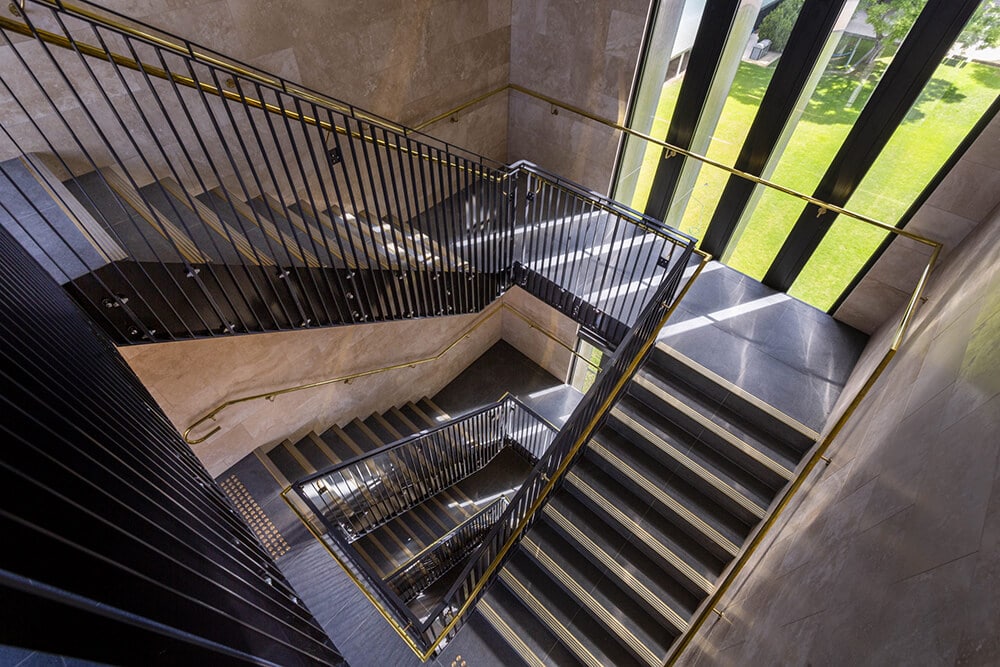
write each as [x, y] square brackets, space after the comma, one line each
[944, 114]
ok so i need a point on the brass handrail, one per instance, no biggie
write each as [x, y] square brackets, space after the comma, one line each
[673, 150]
[270, 395]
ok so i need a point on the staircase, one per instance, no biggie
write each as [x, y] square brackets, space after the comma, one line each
[289, 461]
[659, 503]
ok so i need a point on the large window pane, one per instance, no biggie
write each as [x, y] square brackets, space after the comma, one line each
[950, 105]
[670, 48]
[858, 56]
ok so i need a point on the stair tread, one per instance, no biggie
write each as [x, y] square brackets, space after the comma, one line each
[623, 560]
[586, 639]
[224, 206]
[737, 445]
[536, 637]
[693, 369]
[637, 422]
[626, 620]
[660, 482]
[695, 567]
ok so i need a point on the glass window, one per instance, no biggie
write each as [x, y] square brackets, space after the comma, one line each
[857, 55]
[951, 104]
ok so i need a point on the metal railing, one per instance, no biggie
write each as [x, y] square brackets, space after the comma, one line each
[209, 198]
[431, 563]
[359, 495]
[198, 196]
[353, 498]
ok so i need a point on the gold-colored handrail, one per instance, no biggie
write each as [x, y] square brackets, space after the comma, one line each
[673, 150]
[270, 395]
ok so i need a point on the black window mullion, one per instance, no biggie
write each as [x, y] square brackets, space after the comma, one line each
[927, 43]
[797, 62]
[709, 43]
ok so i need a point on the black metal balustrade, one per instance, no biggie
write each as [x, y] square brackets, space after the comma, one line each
[416, 575]
[177, 193]
[361, 494]
[357, 496]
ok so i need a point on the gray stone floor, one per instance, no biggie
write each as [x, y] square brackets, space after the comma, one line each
[785, 352]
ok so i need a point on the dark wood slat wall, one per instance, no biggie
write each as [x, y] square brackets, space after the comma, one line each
[118, 545]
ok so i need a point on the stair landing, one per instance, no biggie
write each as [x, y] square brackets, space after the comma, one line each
[786, 353]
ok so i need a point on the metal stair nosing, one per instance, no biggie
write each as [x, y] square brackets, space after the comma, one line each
[217, 225]
[667, 554]
[668, 501]
[303, 225]
[497, 622]
[581, 652]
[690, 464]
[613, 567]
[287, 243]
[715, 429]
[369, 249]
[617, 628]
[727, 385]
[156, 220]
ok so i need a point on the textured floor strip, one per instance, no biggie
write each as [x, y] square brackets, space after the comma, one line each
[252, 513]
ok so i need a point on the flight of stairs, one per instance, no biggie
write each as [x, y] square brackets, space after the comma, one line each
[290, 461]
[217, 262]
[660, 502]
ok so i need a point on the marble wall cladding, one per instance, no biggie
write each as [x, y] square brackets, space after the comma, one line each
[966, 197]
[403, 59]
[552, 355]
[583, 53]
[891, 553]
[188, 378]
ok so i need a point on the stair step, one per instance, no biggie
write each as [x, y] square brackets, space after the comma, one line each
[585, 638]
[763, 465]
[180, 243]
[626, 514]
[340, 443]
[362, 436]
[289, 466]
[514, 641]
[228, 236]
[358, 250]
[225, 209]
[259, 229]
[403, 424]
[433, 411]
[376, 431]
[732, 525]
[316, 452]
[723, 479]
[613, 608]
[418, 416]
[540, 644]
[628, 565]
[699, 528]
[308, 234]
[737, 400]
